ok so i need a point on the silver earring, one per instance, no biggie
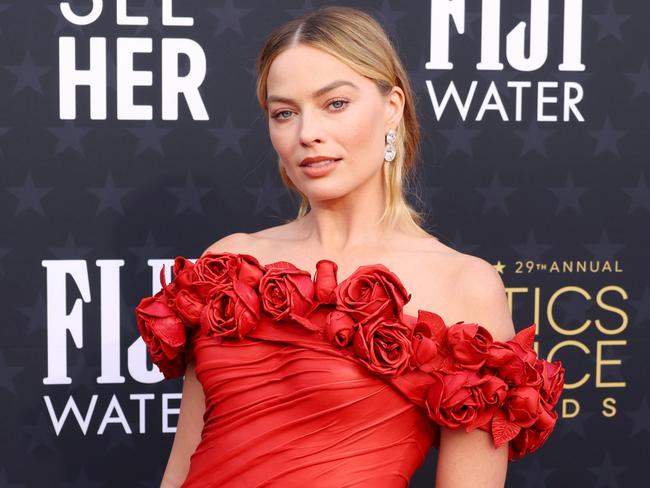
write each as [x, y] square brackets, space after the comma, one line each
[389, 150]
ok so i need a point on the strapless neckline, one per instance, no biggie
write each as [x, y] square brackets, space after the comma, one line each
[276, 343]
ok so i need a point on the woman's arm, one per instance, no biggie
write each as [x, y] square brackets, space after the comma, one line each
[190, 419]
[188, 431]
[469, 459]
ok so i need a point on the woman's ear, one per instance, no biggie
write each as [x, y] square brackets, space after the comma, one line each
[394, 108]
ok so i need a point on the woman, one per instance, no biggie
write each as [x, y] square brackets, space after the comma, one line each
[320, 368]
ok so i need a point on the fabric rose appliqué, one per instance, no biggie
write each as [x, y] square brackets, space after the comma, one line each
[286, 293]
[163, 331]
[229, 283]
[383, 345]
[372, 291]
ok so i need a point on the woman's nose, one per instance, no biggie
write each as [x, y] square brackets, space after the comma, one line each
[311, 128]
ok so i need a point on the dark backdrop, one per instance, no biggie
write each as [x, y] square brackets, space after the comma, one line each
[91, 205]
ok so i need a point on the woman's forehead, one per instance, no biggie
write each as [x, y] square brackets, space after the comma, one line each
[308, 62]
[309, 70]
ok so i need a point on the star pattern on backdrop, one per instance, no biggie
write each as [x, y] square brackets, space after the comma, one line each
[534, 475]
[8, 374]
[307, 5]
[229, 17]
[35, 315]
[604, 249]
[639, 194]
[69, 136]
[607, 138]
[533, 138]
[61, 23]
[87, 189]
[641, 80]
[28, 74]
[70, 250]
[110, 196]
[40, 434]
[572, 310]
[640, 418]
[189, 195]
[531, 249]
[29, 196]
[568, 196]
[267, 195]
[575, 425]
[228, 136]
[610, 23]
[389, 17]
[149, 137]
[495, 195]
[642, 307]
[459, 138]
[607, 473]
[149, 250]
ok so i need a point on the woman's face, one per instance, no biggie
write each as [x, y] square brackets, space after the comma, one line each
[318, 106]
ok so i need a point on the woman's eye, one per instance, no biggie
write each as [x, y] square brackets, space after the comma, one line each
[344, 102]
[278, 115]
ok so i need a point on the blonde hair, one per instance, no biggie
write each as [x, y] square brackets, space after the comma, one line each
[358, 40]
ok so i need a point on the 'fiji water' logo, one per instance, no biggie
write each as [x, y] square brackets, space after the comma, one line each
[564, 96]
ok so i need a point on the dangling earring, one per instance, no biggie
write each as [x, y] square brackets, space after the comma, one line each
[389, 150]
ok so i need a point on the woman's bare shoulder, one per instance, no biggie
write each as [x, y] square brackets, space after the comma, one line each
[250, 243]
[235, 243]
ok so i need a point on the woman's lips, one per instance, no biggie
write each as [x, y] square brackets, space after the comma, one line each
[320, 168]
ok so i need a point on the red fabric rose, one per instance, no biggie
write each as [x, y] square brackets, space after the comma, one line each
[427, 341]
[184, 275]
[372, 291]
[221, 270]
[189, 307]
[523, 405]
[469, 344]
[164, 334]
[464, 399]
[529, 440]
[325, 281]
[339, 328]
[287, 293]
[552, 375]
[513, 363]
[383, 345]
[231, 311]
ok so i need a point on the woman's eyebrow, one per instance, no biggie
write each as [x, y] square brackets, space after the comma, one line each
[321, 91]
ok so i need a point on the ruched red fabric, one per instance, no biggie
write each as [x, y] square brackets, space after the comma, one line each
[285, 408]
[311, 382]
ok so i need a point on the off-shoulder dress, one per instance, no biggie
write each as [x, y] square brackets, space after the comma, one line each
[311, 382]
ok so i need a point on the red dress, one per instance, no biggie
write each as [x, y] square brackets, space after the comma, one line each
[311, 382]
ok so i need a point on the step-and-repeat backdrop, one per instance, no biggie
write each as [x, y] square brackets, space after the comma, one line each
[130, 133]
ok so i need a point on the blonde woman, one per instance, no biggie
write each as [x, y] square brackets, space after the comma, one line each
[334, 350]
